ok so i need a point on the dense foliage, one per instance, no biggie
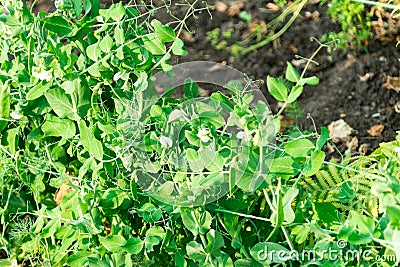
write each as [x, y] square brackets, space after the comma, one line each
[77, 117]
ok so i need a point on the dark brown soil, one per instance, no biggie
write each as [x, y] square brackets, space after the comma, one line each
[343, 92]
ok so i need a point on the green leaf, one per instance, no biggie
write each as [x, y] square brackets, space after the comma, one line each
[89, 142]
[133, 245]
[277, 88]
[294, 93]
[79, 258]
[150, 213]
[283, 165]
[93, 51]
[268, 252]
[196, 221]
[287, 200]
[223, 99]
[113, 243]
[178, 48]
[215, 241]
[310, 80]
[37, 91]
[106, 44]
[55, 126]
[291, 73]
[57, 24]
[152, 43]
[117, 11]
[190, 88]
[195, 251]
[114, 198]
[323, 138]
[119, 35]
[299, 147]
[301, 232]
[165, 33]
[346, 192]
[4, 107]
[316, 160]
[62, 104]
[327, 213]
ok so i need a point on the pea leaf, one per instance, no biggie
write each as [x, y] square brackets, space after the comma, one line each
[152, 43]
[310, 80]
[57, 24]
[62, 104]
[291, 73]
[316, 161]
[38, 90]
[89, 142]
[113, 243]
[133, 245]
[277, 88]
[150, 213]
[323, 138]
[196, 221]
[93, 51]
[327, 213]
[114, 198]
[55, 126]
[119, 35]
[215, 241]
[283, 165]
[117, 11]
[299, 147]
[165, 33]
[4, 107]
[294, 93]
[178, 48]
[106, 44]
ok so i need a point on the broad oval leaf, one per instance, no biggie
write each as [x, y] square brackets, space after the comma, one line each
[299, 147]
[106, 44]
[152, 43]
[277, 88]
[165, 33]
[294, 93]
[133, 245]
[55, 126]
[113, 243]
[93, 51]
[291, 73]
[62, 104]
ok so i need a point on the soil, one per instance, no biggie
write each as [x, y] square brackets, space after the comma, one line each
[351, 82]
